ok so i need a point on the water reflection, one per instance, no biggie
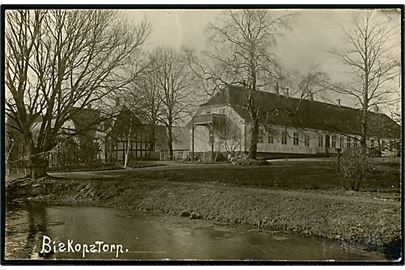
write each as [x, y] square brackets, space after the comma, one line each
[37, 227]
[161, 237]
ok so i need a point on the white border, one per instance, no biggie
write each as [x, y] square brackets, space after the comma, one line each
[263, 2]
[234, 2]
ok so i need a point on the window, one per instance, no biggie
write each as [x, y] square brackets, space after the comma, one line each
[320, 140]
[342, 142]
[120, 145]
[270, 138]
[355, 142]
[348, 142]
[284, 137]
[334, 141]
[296, 138]
[260, 136]
[392, 143]
[372, 143]
[306, 140]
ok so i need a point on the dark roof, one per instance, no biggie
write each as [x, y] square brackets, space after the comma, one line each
[306, 113]
[85, 119]
[125, 119]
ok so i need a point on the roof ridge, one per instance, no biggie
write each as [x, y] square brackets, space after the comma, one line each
[310, 114]
[299, 99]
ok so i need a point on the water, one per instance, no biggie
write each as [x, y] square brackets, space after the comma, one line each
[159, 237]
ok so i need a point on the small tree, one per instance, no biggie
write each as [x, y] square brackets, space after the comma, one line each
[232, 138]
[353, 168]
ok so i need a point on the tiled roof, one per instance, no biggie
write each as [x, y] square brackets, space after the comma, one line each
[85, 120]
[306, 113]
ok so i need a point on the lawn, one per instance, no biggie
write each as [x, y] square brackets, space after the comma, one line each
[290, 175]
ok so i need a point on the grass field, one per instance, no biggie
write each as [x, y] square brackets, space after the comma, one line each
[291, 175]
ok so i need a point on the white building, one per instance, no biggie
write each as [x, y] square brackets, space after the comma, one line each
[288, 126]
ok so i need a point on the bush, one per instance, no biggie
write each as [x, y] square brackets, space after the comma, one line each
[374, 152]
[206, 157]
[354, 167]
[243, 160]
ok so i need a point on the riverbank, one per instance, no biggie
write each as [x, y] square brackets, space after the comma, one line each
[370, 219]
[155, 236]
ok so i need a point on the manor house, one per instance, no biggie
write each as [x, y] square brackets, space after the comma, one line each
[289, 127]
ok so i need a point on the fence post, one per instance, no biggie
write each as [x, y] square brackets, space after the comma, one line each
[192, 140]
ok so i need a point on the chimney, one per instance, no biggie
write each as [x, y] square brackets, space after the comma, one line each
[377, 109]
[287, 91]
[338, 101]
[277, 88]
[89, 106]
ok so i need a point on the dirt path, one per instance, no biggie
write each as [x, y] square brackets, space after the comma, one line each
[162, 166]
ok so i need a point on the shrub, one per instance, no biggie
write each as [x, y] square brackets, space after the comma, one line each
[243, 160]
[206, 157]
[354, 167]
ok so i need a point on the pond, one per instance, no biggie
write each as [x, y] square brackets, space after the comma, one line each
[158, 237]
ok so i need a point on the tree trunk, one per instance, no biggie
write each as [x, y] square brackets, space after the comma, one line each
[363, 140]
[152, 135]
[379, 147]
[37, 165]
[254, 140]
[170, 141]
[128, 143]
[127, 153]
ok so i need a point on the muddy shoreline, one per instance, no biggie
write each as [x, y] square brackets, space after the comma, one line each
[353, 218]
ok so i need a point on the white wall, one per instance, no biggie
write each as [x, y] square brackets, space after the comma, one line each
[314, 136]
[225, 140]
[237, 138]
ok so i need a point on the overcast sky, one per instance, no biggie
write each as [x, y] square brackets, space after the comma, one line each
[311, 34]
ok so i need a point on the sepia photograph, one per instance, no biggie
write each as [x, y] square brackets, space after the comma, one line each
[195, 135]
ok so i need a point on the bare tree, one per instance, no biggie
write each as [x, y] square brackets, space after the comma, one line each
[60, 59]
[311, 83]
[145, 101]
[231, 137]
[241, 54]
[302, 84]
[368, 54]
[173, 82]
